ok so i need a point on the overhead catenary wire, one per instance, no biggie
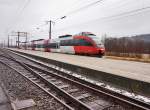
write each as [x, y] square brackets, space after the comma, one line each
[121, 4]
[112, 17]
[88, 6]
[128, 12]
[77, 10]
[84, 7]
[136, 11]
[18, 14]
[25, 5]
[63, 10]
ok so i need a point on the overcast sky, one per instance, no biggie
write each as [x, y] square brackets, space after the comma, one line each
[28, 15]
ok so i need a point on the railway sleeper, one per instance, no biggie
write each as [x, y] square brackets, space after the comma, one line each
[83, 96]
[95, 106]
[72, 90]
[108, 107]
[63, 86]
[57, 82]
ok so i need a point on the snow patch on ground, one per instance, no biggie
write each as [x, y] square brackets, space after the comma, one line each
[126, 93]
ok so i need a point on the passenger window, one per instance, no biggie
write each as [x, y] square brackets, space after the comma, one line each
[75, 42]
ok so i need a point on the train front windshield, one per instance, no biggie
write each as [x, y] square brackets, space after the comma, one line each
[96, 39]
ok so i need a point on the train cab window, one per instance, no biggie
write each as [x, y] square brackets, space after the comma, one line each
[82, 42]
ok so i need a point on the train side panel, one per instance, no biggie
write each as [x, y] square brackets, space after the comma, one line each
[87, 50]
[83, 43]
[39, 45]
[67, 49]
[65, 46]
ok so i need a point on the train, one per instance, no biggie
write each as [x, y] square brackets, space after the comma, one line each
[84, 43]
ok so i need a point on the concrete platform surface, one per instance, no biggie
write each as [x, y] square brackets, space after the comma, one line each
[4, 102]
[129, 69]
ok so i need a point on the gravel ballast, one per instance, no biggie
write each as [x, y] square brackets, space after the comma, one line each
[19, 88]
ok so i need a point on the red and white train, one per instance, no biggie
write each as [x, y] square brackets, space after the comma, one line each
[84, 43]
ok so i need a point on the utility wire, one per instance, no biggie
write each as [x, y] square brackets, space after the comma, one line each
[129, 12]
[18, 14]
[75, 11]
[63, 10]
[121, 4]
[79, 9]
[84, 7]
[23, 8]
[136, 11]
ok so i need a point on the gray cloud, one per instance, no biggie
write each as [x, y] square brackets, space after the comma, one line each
[38, 11]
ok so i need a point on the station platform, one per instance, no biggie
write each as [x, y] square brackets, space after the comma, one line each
[127, 75]
[4, 101]
[129, 69]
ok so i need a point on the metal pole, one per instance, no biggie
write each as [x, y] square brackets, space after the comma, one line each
[16, 42]
[4, 43]
[50, 30]
[18, 38]
[26, 40]
[11, 42]
[8, 41]
[50, 26]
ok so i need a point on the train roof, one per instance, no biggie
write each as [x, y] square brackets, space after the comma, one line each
[63, 36]
[37, 40]
[85, 33]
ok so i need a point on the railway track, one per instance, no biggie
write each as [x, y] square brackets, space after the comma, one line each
[73, 92]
